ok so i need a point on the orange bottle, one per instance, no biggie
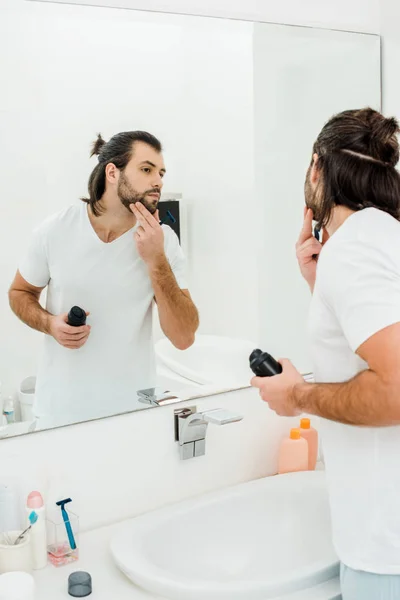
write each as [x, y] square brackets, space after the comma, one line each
[311, 435]
[293, 453]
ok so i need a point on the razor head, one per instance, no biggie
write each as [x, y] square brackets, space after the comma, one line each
[63, 502]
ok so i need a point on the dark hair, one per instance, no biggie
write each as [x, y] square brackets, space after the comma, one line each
[119, 151]
[358, 151]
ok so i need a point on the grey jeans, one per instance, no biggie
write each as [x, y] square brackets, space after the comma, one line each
[359, 585]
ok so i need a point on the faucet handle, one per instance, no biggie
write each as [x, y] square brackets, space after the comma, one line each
[220, 416]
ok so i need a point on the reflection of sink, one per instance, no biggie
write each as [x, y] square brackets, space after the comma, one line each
[211, 360]
[255, 541]
[169, 380]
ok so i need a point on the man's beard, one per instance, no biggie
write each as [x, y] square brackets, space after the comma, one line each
[311, 196]
[129, 196]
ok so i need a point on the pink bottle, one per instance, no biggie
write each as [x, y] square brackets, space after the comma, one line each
[293, 453]
[311, 435]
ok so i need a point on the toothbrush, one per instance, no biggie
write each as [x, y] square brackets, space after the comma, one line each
[33, 517]
[169, 217]
[68, 527]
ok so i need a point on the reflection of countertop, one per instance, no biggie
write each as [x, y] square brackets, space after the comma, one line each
[109, 582]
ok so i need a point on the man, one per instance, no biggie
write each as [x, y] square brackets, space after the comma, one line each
[110, 256]
[353, 191]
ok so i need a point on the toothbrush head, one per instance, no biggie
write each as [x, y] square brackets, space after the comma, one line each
[33, 517]
[62, 503]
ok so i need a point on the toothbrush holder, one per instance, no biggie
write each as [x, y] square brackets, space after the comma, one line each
[59, 550]
[15, 558]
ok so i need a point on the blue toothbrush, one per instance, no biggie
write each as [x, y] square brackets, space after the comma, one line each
[169, 217]
[33, 517]
[68, 527]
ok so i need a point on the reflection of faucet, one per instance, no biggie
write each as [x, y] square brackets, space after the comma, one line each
[157, 396]
[191, 428]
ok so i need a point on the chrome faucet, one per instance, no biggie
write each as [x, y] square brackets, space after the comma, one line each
[191, 428]
[157, 396]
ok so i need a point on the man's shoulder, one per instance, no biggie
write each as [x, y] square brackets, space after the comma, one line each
[59, 220]
[171, 240]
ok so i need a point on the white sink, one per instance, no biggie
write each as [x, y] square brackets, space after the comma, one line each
[211, 360]
[263, 539]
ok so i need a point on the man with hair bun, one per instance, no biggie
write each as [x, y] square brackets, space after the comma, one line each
[352, 190]
[110, 255]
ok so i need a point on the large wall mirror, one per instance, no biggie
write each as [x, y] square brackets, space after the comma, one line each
[178, 298]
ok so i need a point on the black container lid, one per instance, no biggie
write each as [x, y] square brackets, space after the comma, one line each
[76, 316]
[79, 584]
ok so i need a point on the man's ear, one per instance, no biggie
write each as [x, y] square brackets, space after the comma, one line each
[315, 172]
[112, 173]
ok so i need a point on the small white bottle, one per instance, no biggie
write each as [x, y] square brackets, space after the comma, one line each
[38, 532]
[8, 410]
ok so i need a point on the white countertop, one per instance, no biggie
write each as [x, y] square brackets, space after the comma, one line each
[109, 582]
[95, 558]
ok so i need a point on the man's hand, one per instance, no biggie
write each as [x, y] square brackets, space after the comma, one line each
[277, 390]
[149, 236]
[308, 249]
[67, 336]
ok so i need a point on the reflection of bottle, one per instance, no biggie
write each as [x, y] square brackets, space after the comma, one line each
[76, 317]
[8, 410]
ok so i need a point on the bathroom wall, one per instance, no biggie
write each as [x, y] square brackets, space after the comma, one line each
[123, 466]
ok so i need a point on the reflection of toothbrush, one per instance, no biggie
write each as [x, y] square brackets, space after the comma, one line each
[169, 217]
[68, 527]
[33, 517]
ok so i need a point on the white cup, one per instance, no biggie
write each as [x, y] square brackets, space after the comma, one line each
[17, 586]
[15, 558]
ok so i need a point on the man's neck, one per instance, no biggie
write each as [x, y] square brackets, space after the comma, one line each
[114, 220]
[340, 214]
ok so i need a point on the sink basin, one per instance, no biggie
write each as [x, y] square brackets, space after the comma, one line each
[263, 539]
[211, 360]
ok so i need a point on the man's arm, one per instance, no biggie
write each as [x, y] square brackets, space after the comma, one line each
[372, 398]
[179, 318]
[24, 301]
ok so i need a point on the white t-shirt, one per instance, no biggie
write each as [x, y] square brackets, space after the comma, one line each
[111, 281]
[357, 294]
